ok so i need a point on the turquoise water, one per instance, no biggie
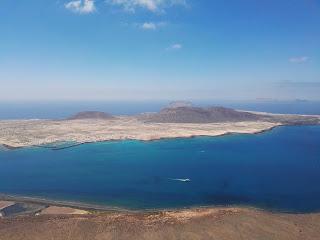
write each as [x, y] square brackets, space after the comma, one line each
[278, 170]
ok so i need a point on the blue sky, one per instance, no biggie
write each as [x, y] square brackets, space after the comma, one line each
[159, 49]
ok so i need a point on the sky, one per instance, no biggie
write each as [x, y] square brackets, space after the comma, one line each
[159, 49]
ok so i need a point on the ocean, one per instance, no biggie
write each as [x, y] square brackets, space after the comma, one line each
[277, 170]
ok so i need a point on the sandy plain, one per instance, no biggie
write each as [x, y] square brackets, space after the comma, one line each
[22, 133]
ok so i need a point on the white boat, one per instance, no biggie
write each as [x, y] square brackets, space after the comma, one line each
[180, 179]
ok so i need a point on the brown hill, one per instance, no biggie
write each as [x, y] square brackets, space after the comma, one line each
[198, 115]
[91, 115]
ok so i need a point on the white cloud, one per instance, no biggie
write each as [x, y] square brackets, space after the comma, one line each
[151, 5]
[152, 25]
[176, 46]
[301, 59]
[149, 26]
[81, 6]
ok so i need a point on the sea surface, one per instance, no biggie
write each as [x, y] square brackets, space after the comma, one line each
[277, 170]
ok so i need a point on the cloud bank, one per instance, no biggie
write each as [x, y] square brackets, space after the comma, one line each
[299, 84]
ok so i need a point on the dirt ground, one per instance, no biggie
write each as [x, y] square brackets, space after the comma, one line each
[62, 210]
[4, 204]
[220, 224]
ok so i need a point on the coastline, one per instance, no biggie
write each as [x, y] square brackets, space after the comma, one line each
[56, 219]
[75, 144]
[229, 223]
[60, 203]
[103, 207]
[114, 209]
[264, 127]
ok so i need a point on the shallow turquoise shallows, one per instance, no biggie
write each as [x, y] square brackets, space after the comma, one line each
[278, 170]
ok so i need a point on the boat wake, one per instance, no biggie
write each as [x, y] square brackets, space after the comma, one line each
[180, 179]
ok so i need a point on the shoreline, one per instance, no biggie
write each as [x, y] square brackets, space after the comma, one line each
[76, 144]
[227, 133]
[61, 203]
[113, 209]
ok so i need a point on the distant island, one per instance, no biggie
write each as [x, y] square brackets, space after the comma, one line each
[178, 120]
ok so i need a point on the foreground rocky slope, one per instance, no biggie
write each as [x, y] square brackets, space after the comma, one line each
[219, 223]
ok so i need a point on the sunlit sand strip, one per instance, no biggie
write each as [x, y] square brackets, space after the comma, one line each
[54, 210]
[5, 204]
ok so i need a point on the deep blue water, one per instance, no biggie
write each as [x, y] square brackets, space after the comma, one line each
[278, 170]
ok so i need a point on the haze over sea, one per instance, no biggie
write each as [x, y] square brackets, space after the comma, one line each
[278, 170]
[63, 109]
